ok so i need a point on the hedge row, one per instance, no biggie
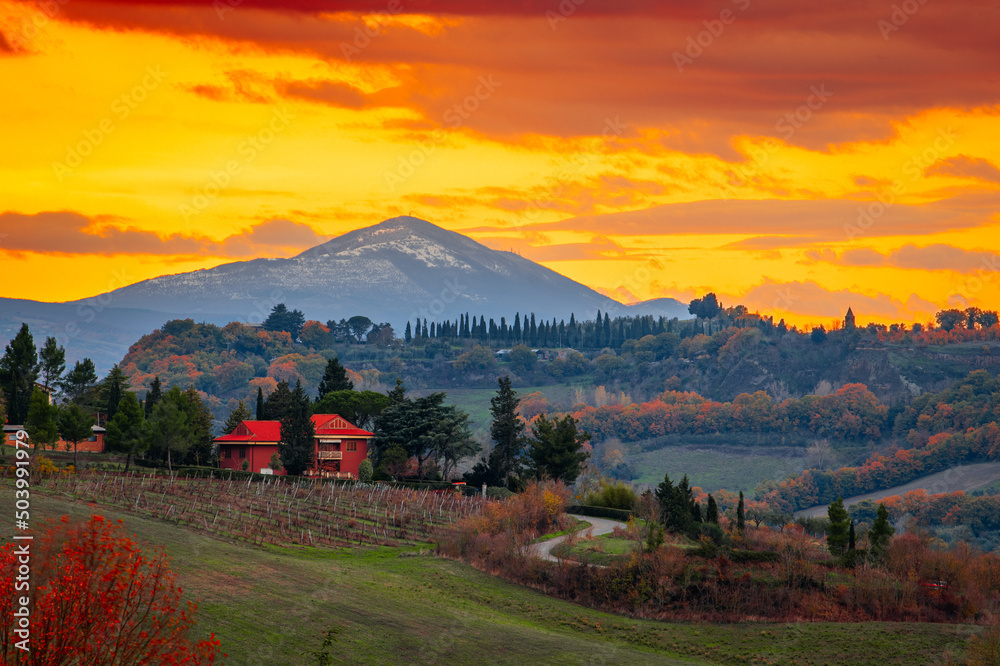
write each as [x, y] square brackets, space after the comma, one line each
[599, 512]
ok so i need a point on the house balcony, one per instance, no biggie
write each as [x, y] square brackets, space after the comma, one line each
[330, 455]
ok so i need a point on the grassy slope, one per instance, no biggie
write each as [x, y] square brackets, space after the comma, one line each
[271, 606]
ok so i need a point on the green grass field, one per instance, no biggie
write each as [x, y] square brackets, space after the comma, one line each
[476, 401]
[715, 469]
[274, 605]
[602, 550]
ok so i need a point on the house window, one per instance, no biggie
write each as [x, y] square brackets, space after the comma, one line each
[243, 452]
[12, 437]
[352, 446]
[229, 453]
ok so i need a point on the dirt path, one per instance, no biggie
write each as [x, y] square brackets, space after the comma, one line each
[963, 477]
[598, 526]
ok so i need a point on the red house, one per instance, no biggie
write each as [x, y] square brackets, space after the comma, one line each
[340, 447]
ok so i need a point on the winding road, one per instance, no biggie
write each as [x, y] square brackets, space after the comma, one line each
[598, 526]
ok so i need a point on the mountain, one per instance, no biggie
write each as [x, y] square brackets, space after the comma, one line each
[394, 271]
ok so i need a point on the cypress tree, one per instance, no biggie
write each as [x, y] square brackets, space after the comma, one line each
[259, 407]
[850, 543]
[880, 533]
[408, 335]
[741, 514]
[712, 512]
[153, 396]
[838, 530]
[297, 447]
[695, 511]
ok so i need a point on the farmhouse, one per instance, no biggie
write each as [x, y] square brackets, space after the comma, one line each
[94, 444]
[340, 447]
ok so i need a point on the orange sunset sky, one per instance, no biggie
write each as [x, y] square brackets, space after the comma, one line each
[797, 157]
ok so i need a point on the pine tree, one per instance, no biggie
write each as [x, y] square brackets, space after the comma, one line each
[259, 411]
[127, 431]
[741, 520]
[240, 414]
[201, 423]
[41, 421]
[18, 373]
[398, 392]
[279, 402]
[676, 503]
[556, 448]
[297, 447]
[880, 533]
[850, 543]
[79, 381]
[53, 362]
[170, 429]
[334, 379]
[153, 396]
[712, 512]
[837, 532]
[112, 389]
[507, 433]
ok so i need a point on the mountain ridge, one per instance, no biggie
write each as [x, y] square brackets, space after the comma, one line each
[395, 271]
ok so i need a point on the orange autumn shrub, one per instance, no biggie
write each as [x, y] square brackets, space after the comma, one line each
[98, 597]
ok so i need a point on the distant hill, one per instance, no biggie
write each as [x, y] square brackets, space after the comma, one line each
[394, 271]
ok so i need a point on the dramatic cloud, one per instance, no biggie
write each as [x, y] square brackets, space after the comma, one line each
[789, 222]
[963, 166]
[937, 257]
[70, 233]
[763, 74]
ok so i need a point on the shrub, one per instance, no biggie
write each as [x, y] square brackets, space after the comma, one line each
[498, 493]
[365, 471]
[100, 597]
[984, 650]
[617, 495]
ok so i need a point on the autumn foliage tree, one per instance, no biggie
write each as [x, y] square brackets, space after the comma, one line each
[98, 597]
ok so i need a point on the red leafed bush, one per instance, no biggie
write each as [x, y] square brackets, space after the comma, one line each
[99, 598]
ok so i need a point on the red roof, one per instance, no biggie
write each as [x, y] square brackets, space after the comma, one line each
[327, 425]
[254, 431]
[338, 426]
